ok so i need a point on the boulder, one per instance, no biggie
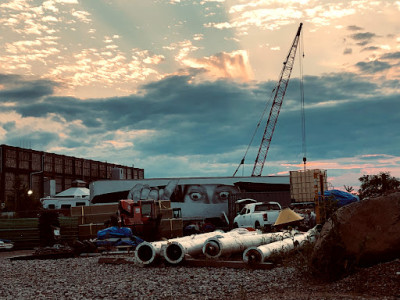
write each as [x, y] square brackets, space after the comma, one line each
[358, 235]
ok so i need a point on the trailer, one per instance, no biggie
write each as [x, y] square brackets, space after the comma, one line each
[198, 198]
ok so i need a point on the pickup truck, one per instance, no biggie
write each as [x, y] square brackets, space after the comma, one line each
[260, 215]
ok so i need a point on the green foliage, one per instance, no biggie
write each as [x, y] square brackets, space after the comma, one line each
[377, 185]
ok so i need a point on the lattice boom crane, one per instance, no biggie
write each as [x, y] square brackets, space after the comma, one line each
[280, 91]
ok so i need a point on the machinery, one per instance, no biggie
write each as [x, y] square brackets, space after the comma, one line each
[279, 94]
[142, 217]
[150, 219]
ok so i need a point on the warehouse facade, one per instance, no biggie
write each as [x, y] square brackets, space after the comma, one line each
[26, 169]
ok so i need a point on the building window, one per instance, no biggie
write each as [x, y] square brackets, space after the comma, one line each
[23, 160]
[86, 168]
[68, 166]
[11, 158]
[78, 167]
[58, 165]
[95, 170]
[36, 162]
[48, 163]
[102, 171]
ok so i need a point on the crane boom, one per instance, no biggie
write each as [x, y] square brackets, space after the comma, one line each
[280, 91]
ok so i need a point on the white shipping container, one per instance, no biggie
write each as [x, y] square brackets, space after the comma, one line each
[304, 185]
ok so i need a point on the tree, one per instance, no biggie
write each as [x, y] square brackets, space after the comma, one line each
[349, 189]
[377, 185]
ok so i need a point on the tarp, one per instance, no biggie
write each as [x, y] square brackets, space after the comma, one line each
[117, 236]
[74, 191]
[287, 216]
[343, 198]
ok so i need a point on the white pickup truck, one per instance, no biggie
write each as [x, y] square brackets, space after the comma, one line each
[260, 215]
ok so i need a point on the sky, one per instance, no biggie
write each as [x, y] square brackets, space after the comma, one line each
[177, 87]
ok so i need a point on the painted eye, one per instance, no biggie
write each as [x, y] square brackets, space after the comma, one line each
[223, 195]
[195, 196]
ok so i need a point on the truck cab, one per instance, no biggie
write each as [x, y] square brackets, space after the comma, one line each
[260, 215]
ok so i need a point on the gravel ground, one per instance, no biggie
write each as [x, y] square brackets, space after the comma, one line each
[85, 278]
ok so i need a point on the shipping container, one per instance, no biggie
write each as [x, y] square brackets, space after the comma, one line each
[306, 185]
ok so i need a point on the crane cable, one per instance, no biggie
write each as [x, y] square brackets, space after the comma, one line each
[255, 131]
[302, 110]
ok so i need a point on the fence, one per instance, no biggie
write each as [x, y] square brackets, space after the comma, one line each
[24, 232]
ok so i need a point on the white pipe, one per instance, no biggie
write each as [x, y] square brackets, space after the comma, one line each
[147, 253]
[174, 252]
[216, 247]
[254, 255]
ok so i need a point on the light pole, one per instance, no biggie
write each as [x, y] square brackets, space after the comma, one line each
[30, 191]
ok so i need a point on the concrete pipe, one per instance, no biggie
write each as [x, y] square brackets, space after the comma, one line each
[148, 253]
[174, 252]
[216, 247]
[256, 255]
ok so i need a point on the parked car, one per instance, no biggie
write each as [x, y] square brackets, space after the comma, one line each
[260, 215]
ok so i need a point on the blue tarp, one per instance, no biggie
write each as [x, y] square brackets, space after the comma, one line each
[114, 232]
[117, 236]
[343, 198]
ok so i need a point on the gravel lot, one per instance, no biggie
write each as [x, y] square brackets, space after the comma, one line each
[85, 278]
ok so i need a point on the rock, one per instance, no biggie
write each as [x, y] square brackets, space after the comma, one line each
[360, 234]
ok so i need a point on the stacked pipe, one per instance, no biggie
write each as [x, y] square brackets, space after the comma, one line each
[174, 252]
[257, 255]
[227, 245]
[149, 252]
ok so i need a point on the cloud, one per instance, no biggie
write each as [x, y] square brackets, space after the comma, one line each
[50, 19]
[373, 67]
[35, 138]
[272, 15]
[50, 5]
[348, 51]
[354, 28]
[224, 65]
[82, 15]
[203, 128]
[16, 89]
[67, 1]
[364, 38]
[371, 48]
[393, 55]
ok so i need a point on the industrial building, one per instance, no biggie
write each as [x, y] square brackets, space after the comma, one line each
[45, 174]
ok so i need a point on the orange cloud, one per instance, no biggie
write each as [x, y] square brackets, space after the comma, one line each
[233, 65]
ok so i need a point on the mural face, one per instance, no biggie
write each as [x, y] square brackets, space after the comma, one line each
[198, 198]
[208, 193]
[188, 193]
